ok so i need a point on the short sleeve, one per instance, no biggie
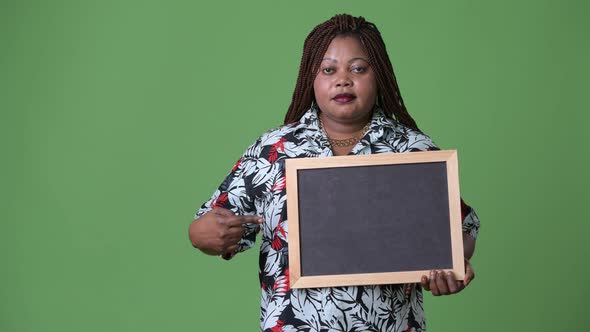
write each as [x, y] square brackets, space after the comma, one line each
[235, 194]
[413, 140]
[470, 220]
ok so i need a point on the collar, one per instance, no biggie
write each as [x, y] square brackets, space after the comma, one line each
[380, 124]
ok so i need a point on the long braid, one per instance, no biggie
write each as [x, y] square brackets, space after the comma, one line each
[315, 47]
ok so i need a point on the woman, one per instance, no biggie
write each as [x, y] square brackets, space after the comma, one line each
[346, 101]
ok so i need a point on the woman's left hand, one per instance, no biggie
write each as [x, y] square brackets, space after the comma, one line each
[444, 283]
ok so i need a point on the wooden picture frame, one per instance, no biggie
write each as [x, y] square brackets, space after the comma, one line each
[373, 219]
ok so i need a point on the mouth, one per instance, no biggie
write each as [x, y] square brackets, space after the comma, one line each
[344, 97]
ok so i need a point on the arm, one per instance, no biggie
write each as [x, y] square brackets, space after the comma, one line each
[226, 224]
[468, 245]
[444, 283]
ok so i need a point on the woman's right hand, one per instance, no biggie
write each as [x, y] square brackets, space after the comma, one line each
[218, 231]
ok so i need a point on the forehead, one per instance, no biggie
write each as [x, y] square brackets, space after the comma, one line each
[343, 48]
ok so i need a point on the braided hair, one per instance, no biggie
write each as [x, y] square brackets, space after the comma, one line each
[315, 47]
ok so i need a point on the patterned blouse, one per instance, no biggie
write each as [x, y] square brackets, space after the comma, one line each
[256, 186]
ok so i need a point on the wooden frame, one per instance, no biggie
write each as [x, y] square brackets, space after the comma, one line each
[296, 171]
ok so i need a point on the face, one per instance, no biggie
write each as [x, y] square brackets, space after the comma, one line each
[345, 87]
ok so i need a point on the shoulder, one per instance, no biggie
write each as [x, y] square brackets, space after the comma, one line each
[272, 138]
[406, 139]
[280, 134]
[283, 131]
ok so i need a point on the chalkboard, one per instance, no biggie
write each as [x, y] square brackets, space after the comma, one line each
[374, 219]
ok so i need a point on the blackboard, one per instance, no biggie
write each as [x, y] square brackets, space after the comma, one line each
[376, 219]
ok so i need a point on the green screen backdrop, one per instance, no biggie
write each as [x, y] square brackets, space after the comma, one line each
[119, 118]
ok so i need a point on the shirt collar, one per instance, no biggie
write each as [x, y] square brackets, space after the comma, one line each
[379, 123]
[309, 126]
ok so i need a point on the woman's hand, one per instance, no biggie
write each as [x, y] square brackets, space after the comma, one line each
[444, 283]
[219, 231]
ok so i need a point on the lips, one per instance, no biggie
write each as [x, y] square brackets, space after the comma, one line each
[344, 97]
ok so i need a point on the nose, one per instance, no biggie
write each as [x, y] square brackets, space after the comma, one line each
[343, 80]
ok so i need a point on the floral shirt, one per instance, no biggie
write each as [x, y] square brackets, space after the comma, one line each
[256, 186]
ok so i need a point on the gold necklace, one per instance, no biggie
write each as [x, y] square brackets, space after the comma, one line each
[346, 141]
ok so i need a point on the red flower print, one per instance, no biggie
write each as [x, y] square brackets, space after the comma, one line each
[278, 327]
[237, 165]
[279, 146]
[221, 201]
[277, 242]
[279, 185]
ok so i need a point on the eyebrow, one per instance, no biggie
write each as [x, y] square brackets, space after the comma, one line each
[349, 61]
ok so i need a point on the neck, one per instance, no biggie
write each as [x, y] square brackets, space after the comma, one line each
[338, 130]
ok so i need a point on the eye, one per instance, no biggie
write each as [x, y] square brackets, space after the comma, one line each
[358, 69]
[328, 70]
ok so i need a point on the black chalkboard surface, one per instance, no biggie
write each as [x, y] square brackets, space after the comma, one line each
[376, 219]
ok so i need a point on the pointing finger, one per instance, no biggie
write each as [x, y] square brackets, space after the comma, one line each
[237, 220]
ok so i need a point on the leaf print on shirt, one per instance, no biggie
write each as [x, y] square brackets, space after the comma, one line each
[236, 193]
[273, 310]
[370, 316]
[279, 184]
[305, 310]
[263, 172]
[276, 148]
[220, 201]
[345, 298]
[279, 239]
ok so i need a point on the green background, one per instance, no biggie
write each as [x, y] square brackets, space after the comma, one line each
[119, 118]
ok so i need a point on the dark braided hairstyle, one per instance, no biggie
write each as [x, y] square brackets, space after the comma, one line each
[315, 47]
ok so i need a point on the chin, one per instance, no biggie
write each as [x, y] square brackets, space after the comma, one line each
[351, 117]
[353, 113]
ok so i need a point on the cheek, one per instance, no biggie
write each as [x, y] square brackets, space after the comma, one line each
[370, 89]
[319, 88]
